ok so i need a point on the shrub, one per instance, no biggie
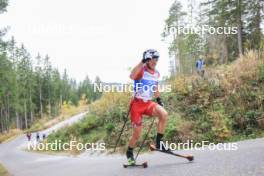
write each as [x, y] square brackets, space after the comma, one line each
[261, 73]
[109, 127]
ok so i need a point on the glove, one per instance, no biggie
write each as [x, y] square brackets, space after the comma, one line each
[159, 101]
[146, 57]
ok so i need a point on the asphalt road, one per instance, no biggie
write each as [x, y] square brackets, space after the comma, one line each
[248, 159]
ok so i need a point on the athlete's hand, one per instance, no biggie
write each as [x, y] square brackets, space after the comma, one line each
[159, 101]
[146, 57]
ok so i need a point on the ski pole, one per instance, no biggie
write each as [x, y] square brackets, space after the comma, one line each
[141, 146]
[123, 127]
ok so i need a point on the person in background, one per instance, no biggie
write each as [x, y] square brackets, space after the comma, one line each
[37, 137]
[43, 136]
[200, 66]
[28, 136]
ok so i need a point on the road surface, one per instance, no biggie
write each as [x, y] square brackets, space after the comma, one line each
[247, 160]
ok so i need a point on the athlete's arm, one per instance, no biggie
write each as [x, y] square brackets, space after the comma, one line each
[156, 91]
[157, 96]
[136, 71]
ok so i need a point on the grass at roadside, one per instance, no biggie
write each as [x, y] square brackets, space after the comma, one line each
[66, 112]
[88, 128]
[3, 171]
[226, 105]
[10, 135]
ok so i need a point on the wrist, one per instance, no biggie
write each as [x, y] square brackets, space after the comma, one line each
[141, 64]
[159, 101]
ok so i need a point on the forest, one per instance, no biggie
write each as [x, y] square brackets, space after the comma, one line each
[31, 88]
[224, 105]
[244, 15]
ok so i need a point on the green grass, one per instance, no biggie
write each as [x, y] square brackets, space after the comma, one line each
[66, 112]
[226, 106]
[5, 137]
[3, 171]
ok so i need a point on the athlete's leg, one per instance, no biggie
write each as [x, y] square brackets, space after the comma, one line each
[135, 136]
[132, 143]
[135, 116]
[162, 115]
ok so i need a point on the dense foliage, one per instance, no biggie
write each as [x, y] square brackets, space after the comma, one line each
[226, 105]
[245, 16]
[31, 88]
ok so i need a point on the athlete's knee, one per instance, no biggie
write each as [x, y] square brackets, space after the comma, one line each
[164, 116]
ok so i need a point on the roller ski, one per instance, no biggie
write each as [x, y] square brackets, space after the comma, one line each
[133, 164]
[131, 161]
[168, 151]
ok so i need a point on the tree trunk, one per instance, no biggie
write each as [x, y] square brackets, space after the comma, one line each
[257, 35]
[31, 117]
[239, 39]
[49, 109]
[25, 115]
[8, 112]
[239, 28]
[177, 60]
[1, 120]
[31, 112]
[40, 100]
[6, 121]
[18, 121]
[49, 103]
[225, 50]
[60, 100]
